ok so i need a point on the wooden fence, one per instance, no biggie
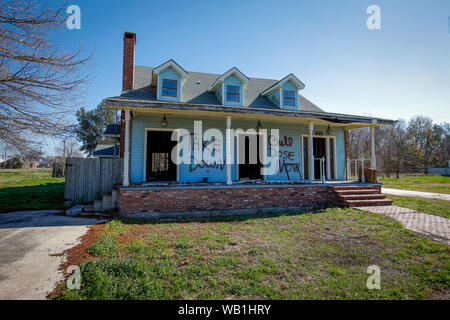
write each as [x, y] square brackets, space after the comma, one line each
[89, 179]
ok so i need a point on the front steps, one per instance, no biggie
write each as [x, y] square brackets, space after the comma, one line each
[361, 196]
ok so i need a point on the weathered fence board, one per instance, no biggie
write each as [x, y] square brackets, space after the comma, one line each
[89, 179]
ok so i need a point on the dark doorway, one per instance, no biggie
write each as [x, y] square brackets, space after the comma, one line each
[249, 164]
[319, 146]
[159, 161]
[319, 152]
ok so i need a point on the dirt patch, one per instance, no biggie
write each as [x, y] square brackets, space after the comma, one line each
[135, 232]
[77, 254]
[440, 295]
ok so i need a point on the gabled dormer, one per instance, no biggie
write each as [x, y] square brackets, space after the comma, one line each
[229, 87]
[285, 92]
[169, 79]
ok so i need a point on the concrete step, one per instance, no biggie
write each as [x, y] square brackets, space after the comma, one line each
[369, 202]
[353, 187]
[362, 196]
[357, 191]
[107, 203]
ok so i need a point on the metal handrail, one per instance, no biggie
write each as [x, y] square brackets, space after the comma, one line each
[322, 168]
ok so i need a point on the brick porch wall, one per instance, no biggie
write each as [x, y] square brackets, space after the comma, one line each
[135, 200]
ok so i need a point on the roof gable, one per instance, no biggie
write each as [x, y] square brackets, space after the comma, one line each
[290, 77]
[169, 64]
[233, 71]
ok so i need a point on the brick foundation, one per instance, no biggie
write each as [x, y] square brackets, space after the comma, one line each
[180, 199]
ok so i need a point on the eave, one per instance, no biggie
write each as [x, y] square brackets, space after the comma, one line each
[325, 118]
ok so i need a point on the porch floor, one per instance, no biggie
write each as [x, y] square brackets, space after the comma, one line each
[245, 183]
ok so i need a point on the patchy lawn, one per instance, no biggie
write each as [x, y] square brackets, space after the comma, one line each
[431, 206]
[436, 184]
[37, 189]
[320, 255]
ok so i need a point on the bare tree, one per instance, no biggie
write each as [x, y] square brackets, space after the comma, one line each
[68, 149]
[39, 81]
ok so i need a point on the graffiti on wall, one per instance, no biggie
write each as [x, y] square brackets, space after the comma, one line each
[286, 162]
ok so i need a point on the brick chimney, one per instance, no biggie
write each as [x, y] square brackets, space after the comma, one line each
[129, 47]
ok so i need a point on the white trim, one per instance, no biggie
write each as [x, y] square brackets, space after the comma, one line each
[328, 160]
[237, 148]
[144, 171]
[126, 154]
[227, 74]
[290, 77]
[334, 151]
[372, 147]
[170, 64]
[228, 159]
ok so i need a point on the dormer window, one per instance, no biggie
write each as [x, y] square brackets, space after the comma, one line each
[289, 98]
[169, 79]
[230, 87]
[169, 88]
[233, 94]
[285, 92]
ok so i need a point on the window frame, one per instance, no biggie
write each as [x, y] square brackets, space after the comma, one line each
[176, 88]
[238, 94]
[289, 98]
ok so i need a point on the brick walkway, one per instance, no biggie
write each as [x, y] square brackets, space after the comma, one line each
[428, 225]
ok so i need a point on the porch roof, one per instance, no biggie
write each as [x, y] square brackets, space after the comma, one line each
[318, 117]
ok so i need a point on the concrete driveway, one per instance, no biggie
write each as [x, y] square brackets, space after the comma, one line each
[27, 241]
[416, 194]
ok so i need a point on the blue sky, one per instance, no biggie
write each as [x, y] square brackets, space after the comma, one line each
[396, 72]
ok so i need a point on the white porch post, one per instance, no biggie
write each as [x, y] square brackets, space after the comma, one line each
[328, 162]
[126, 154]
[372, 145]
[228, 151]
[311, 151]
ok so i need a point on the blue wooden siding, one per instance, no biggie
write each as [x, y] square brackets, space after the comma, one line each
[218, 93]
[292, 87]
[291, 157]
[233, 81]
[171, 74]
[275, 97]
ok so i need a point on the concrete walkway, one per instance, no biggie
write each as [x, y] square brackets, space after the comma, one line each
[27, 241]
[416, 194]
[431, 226]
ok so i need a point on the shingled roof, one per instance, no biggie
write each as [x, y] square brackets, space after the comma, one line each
[195, 90]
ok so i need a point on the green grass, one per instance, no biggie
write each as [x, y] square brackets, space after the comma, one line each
[431, 206]
[436, 184]
[20, 190]
[320, 255]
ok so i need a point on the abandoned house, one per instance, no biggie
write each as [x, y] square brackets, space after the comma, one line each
[313, 145]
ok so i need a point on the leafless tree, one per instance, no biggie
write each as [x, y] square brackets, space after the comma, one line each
[405, 147]
[39, 81]
[69, 149]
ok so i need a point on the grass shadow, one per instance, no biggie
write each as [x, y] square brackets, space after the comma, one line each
[218, 219]
[42, 196]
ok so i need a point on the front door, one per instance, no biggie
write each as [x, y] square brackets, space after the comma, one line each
[249, 163]
[159, 163]
[319, 152]
[319, 147]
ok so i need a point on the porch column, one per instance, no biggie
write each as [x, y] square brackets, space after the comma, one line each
[228, 151]
[126, 154]
[328, 162]
[372, 145]
[311, 151]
